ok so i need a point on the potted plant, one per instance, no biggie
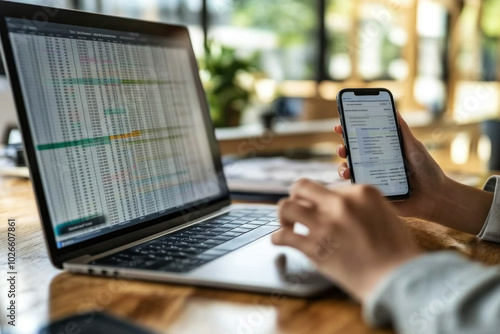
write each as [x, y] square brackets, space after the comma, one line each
[226, 80]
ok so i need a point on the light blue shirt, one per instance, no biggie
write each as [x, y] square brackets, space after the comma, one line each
[442, 292]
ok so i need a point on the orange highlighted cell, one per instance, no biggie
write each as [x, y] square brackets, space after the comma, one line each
[132, 134]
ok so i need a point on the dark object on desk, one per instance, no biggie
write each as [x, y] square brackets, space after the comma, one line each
[282, 108]
[93, 323]
[15, 152]
[13, 146]
[491, 129]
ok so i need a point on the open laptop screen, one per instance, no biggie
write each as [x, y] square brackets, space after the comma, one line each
[116, 123]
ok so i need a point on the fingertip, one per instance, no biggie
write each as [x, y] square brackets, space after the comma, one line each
[347, 174]
[344, 171]
[287, 237]
[276, 238]
[279, 237]
[341, 151]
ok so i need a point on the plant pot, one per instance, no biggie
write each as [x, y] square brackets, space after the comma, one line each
[232, 117]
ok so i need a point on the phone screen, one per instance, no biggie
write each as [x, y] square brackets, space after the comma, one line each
[376, 155]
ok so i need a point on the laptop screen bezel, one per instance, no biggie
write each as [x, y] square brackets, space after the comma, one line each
[132, 233]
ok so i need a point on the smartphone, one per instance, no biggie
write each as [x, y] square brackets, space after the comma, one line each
[375, 150]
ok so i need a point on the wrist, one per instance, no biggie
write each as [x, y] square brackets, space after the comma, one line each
[382, 272]
[462, 207]
[438, 199]
[431, 196]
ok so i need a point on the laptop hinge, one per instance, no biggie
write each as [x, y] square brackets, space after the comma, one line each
[84, 258]
[80, 259]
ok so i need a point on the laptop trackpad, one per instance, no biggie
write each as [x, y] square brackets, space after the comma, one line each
[263, 264]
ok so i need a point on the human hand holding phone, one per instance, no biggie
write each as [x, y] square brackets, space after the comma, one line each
[426, 176]
[435, 196]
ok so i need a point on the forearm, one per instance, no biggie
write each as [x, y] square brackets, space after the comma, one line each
[462, 207]
[437, 293]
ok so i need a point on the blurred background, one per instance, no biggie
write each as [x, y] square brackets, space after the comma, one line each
[279, 64]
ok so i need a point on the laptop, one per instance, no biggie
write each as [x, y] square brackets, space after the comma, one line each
[124, 161]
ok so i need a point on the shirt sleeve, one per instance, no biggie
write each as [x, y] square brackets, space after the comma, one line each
[439, 292]
[491, 228]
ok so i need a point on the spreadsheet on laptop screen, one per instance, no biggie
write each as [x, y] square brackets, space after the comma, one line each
[117, 126]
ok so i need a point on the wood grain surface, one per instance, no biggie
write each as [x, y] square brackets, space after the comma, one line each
[45, 293]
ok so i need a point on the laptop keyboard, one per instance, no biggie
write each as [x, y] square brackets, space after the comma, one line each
[189, 248]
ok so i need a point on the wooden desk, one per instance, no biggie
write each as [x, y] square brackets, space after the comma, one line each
[45, 293]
